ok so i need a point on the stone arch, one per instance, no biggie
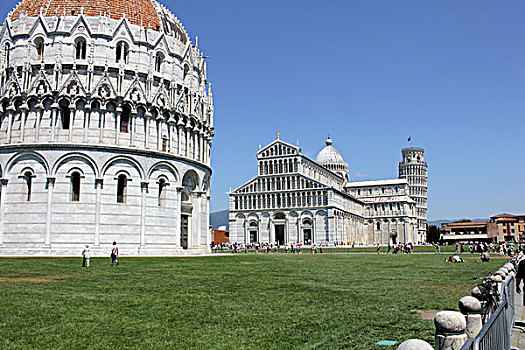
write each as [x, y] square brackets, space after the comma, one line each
[124, 159]
[306, 214]
[85, 158]
[30, 155]
[190, 180]
[164, 166]
[279, 216]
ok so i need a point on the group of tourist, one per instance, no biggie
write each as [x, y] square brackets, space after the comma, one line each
[86, 255]
[257, 247]
[407, 248]
[505, 248]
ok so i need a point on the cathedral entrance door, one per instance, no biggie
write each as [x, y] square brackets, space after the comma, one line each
[253, 236]
[184, 231]
[307, 233]
[279, 234]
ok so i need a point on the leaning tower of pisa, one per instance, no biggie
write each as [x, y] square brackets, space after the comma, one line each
[414, 169]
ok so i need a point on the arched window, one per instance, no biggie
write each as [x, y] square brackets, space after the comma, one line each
[7, 50]
[75, 186]
[122, 52]
[378, 225]
[159, 58]
[65, 115]
[80, 49]
[162, 193]
[122, 184]
[186, 71]
[28, 178]
[39, 44]
[124, 119]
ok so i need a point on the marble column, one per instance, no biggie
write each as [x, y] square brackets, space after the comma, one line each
[188, 139]
[24, 108]
[101, 123]
[132, 131]
[144, 191]
[10, 112]
[99, 183]
[50, 187]
[272, 231]
[178, 214]
[147, 118]
[72, 116]
[3, 193]
[87, 116]
[117, 129]
[180, 126]
[39, 115]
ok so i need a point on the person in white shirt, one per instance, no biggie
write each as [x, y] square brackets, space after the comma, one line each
[86, 256]
[114, 254]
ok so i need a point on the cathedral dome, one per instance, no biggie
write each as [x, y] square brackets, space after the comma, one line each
[330, 158]
[329, 155]
[147, 13]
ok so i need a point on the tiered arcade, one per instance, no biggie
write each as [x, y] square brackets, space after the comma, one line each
[105, 132]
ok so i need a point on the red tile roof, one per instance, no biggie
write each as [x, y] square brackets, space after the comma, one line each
[136, 11]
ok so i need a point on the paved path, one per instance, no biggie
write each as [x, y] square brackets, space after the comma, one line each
[517, 339]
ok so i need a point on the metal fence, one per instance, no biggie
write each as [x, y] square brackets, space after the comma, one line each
[495, 334]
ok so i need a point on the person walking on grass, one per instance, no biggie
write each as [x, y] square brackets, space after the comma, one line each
[114, 254]
[86, 256]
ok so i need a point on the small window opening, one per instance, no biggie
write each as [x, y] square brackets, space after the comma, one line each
[80, 49]
[122, 52]
[75, 186]
[121, 188]
[159, 58]
[124, 119]
[28, 177]
[39, 43]
[65, 115]
[162, 192]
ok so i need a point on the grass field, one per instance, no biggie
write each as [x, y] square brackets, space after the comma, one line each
[277, 301]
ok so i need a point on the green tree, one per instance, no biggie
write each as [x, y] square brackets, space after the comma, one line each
[433, 234]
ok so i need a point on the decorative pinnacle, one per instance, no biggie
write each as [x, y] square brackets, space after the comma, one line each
[278, 135]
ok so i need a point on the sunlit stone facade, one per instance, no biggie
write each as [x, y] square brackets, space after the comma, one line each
[296, 199]
[105, 132]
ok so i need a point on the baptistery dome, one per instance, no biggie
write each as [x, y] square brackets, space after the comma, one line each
[330, 158]
[106, 126]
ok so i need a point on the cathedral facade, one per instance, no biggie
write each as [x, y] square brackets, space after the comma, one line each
[105, 132]
[296, 199]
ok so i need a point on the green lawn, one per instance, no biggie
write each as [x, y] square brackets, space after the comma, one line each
[329, 301]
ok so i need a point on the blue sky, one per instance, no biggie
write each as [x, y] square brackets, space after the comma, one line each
[450, 74]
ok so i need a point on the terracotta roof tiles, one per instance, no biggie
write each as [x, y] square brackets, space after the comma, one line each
[137, 11]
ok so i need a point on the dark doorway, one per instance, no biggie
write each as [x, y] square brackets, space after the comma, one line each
[279, 234]
[184, 231]
[307, 235]
[253, 236]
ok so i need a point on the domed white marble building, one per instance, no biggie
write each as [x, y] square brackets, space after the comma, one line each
[330, 158]
[295, 199]
[105, 131]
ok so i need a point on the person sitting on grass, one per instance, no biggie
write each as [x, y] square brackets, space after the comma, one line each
[485, 257]
[457, 259]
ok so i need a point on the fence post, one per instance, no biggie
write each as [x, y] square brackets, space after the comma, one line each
[415, 344]
[471, 308]
[450, 330]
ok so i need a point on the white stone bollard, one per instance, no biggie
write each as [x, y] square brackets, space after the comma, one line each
[414, 344]
[450, 330]
[471, 308]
